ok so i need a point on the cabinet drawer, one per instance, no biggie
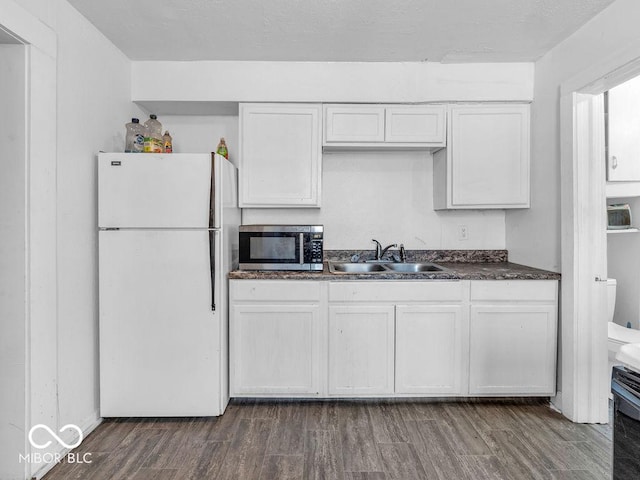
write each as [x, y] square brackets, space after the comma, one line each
[509, 290]
[396, 292]
[274, 291]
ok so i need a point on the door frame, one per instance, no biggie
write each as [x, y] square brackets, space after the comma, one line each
[40, 322]
[583, 355]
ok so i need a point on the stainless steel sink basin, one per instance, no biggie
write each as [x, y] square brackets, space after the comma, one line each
[346, 267]
[413, 267]
[356, 267]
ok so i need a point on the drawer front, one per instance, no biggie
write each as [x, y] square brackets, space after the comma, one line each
[509, 290]
[274, 291]
[396, 292]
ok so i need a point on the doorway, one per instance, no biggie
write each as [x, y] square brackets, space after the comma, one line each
[584, 373]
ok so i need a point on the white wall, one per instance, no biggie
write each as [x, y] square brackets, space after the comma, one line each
[93, 106]
[12, 259]
[384, 195]
[533, 236]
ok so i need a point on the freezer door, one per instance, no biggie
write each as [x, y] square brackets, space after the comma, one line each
[155, 190]
[160, 339]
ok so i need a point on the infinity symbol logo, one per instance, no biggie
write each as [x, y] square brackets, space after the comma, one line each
[53, 434]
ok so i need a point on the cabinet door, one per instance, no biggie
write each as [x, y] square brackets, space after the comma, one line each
[415, 124]
[487, 158]
[429, 349]
[512, 349]
[361, 349]
[353, 123]
[280, 155]
[623, 142]
[274, 349]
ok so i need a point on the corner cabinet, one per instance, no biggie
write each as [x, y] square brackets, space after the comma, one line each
[383, 126]
[280, 156]
[486, 162]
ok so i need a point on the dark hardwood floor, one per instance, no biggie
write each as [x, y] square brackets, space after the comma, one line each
[349, 440]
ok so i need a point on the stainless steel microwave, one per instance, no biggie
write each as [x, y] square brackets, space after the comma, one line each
[281, 247]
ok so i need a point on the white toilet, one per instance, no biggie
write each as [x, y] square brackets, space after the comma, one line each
[618, 335]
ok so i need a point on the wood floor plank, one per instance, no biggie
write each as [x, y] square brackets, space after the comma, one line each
[461, 434]
[130, 455]
[519, 459]
[387, 422]
[401, 462]
[246, 452]
[282, 467]
[486, 467]
[434, 451]
[153, 474]
[322, 415]
[575, 475]
[205, 461]
[359, 451]
[287, 435]
[365, 476]
[348, 440]
[323, 459]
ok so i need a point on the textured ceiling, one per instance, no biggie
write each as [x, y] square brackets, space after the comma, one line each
[338, 30]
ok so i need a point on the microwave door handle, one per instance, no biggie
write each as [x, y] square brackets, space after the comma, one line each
[301, 248]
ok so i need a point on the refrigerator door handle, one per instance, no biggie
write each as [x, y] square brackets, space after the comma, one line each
[212, 193]
[212, 265]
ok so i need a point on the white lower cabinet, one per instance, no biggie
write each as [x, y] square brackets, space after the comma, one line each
[361, 346]
[392, 338]
[274, 345]
[512, 338]
[430, 349]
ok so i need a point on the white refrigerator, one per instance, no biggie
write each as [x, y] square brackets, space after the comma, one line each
[168, 236]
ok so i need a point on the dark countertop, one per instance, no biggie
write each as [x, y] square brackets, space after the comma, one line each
[457, 271]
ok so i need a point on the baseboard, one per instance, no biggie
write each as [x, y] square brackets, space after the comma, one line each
[87, 426]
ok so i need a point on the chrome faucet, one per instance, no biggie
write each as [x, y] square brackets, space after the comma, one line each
[381, 251]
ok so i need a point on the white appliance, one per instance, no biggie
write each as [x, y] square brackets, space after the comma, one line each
[168, 236]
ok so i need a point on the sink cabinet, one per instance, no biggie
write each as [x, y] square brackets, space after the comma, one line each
[280, 155]
[486, 162]
[387, 338]
[361, 349]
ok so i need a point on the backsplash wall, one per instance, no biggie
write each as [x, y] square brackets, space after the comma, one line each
[386, 195]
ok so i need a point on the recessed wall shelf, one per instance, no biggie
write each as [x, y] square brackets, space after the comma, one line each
[624, 230]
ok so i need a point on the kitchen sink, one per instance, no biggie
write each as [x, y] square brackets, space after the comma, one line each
[413, 267]
[356, 267]
[346, 267]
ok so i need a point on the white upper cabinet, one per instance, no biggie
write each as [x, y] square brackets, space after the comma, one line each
[486, 162]
[623, 141]
[280, 155]
[384, 126]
